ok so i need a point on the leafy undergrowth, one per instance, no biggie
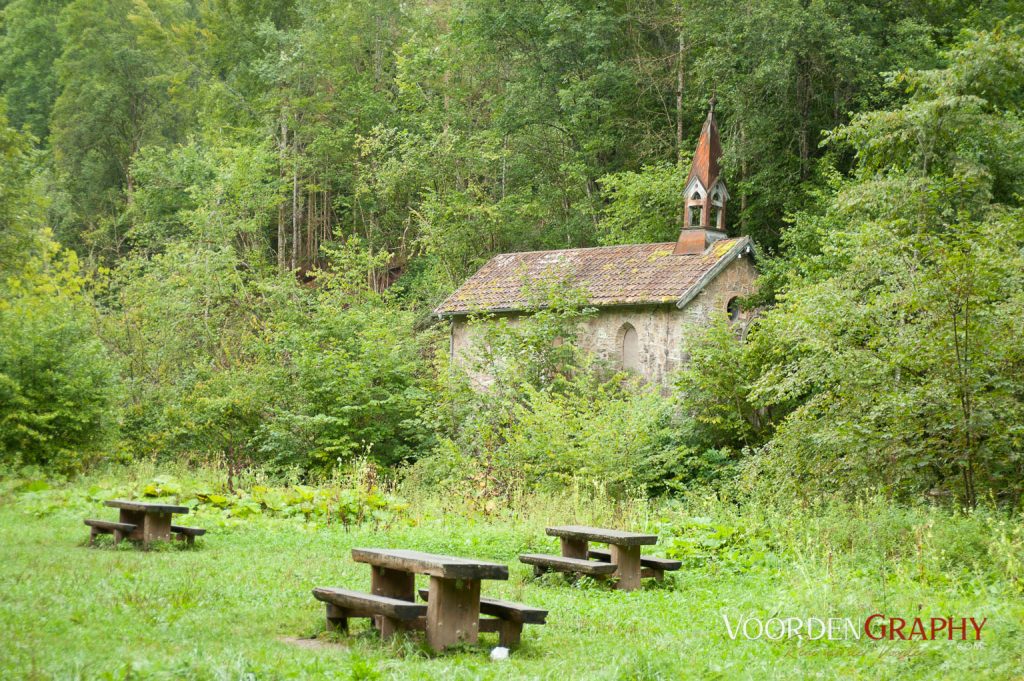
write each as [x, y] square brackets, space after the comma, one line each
[238, 604]
[355, 499]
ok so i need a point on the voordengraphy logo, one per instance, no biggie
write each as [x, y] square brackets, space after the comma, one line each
[777, 628]
[877, 627]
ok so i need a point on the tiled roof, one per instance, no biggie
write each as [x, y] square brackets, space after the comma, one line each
[706, 157]
[643, 274]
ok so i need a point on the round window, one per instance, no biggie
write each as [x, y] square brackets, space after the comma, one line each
[733, 308]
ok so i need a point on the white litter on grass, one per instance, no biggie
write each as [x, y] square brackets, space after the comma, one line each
[499, 653]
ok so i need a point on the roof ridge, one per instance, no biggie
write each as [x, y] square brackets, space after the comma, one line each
[582, 248]
[667, 244]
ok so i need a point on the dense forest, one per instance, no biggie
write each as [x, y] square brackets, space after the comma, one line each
[225, 224]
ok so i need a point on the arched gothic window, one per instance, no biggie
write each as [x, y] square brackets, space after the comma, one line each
[629, 347]
[716, 210]
[695, 215]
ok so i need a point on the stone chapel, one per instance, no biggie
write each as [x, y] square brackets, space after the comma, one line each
[646, 295]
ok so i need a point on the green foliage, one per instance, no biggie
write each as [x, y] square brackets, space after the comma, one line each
[716, 544]
[116, 97]
[308, 378]
[538, 349]
[595, 434]
[57, 384]
[29, 46]
[280, 218]
[643, 207]
[716, 384]
[900, 367]
[351, 504]
[360, 385]
[21, 204]
[545, 415]
[891, 334]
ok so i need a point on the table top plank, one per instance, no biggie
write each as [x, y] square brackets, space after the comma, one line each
[435, 565]
[602, 535]
[144, 507]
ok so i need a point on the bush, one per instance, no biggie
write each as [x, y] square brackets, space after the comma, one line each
[56, 380]
[553, 417]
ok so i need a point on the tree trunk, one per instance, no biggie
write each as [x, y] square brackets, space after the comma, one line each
[680, 81]
[295, 208]
[744, 174]
[282, 253]
[803, 95]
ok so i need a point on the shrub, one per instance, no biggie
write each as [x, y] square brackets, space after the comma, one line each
[56, 380]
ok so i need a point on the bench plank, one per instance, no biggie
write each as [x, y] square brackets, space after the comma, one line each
[506, 610]
[445, 567]
[190, 531]
[143, 507]
[602, 535]
[119, 530]
[361, 603]
[109, 526]
[563, 564]
[645, 561]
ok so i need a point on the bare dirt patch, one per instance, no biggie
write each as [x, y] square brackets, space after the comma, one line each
[308, 643]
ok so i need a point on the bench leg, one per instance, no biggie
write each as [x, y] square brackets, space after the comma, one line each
[336, 619]
[118, 536]
[574, 548]
[136, 518]
[393, 584]
[157, 527]
[389, 627]
[453, 612]
[92, 535]
[538, 570]
[627, 558]
[509, 633]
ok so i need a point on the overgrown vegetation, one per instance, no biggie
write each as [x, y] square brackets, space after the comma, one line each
[223, 228]
[238, 602]
[222, 241]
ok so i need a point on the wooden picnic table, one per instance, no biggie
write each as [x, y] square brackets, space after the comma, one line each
[453, 605]
[624, 546]
[151, 521]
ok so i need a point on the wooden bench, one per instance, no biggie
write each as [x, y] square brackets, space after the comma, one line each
[650, 566]
[395, 614]
[187, 534]
[543, 562]
[624, 564]
[119, 530]
[453, 613]
[152, 520]
[509, 618]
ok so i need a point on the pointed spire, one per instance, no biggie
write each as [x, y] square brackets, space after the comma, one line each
[705, 204]
[705, 166]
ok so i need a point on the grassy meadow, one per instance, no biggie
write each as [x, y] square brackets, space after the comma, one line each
[238, 604]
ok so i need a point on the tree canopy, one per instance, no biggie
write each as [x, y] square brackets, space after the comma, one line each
[225, 224]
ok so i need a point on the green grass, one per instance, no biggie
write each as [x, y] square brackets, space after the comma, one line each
[227, 608]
